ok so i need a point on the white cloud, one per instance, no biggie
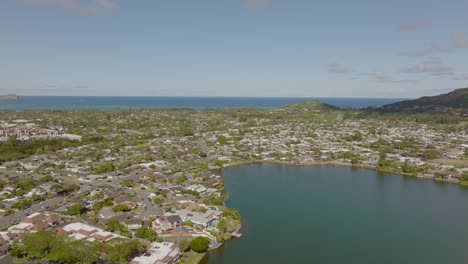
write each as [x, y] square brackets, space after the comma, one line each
[433, 67]
[384, 77]
[257, 5]
[415, 54]
[432, 48]
[461, 78]
[89, 7]
[416, 26]
[380, 76]
[336, 68]
[460, 40]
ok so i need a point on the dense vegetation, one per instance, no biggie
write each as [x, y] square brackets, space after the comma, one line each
[61, 249]
[15, 149]
[199, 244]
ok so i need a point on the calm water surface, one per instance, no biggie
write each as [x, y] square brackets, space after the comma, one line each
[331, 215]
[199, 103]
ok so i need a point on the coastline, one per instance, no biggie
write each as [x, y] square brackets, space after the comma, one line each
[338, 164]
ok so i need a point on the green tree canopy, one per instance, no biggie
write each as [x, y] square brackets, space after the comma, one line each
[120, 208]
[146, 233]
[76, 209]
[199, 244]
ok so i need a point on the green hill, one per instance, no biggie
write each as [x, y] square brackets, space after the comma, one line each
[453, 102]
[312, 105]
[313, 109]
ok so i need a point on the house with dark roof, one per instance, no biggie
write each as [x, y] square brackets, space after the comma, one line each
[166, 223]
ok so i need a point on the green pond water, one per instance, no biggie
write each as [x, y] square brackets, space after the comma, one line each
[343, 215]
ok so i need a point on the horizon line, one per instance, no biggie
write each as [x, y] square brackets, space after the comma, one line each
[198, 96]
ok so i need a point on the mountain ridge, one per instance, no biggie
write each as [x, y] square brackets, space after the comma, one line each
[455, 102]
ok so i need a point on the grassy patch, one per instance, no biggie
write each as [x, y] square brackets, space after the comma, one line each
[464, 183]
[457, 163]
[193, 257]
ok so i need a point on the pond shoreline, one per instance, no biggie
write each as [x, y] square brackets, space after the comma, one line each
[216, 256]
[311, 165]
[337, 164]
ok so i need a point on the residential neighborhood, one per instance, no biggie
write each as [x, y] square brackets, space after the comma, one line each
[153, 177]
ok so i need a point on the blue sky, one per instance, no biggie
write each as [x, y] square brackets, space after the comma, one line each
[294, 48]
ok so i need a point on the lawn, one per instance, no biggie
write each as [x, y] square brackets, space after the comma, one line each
[457, 163]
[193, 257]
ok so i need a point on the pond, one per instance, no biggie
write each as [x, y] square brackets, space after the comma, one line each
[342, 215]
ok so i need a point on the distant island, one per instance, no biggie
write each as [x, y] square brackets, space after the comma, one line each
[455, 102]
[9, 96]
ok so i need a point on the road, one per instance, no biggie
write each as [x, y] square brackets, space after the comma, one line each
[149, 209]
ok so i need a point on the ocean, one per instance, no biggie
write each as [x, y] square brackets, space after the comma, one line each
[198, 103]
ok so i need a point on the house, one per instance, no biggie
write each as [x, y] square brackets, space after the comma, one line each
[197, 188]
[134, 224]
[80, 231]
[34, 218]
[40, 226]
[159, 253]
[34, 222]
[205, 219]
[166, 223]
[129, 204]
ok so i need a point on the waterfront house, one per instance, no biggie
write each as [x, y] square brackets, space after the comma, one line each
[204, 219]
[166, 223]
[159, 253]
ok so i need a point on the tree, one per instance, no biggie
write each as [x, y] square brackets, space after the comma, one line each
[383, 162]
[123, 251]
[183, 244]
[76, 209]
[223, 225]
[40, 244]
[105, 167]
[222, 140]
[77, 251]
[22, 204]
[199, 244]
[158, 200]
[146, 233]
[356, 137]
[120, 208]
[115, 225]
[47, 178]
[109, 201]
[431, 154]
[26, 184]
[464, 176]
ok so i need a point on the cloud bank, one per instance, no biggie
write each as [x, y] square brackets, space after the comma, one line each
[90, 7]
[257, 5]
[432, 67]
[336, 68]
[416, 26]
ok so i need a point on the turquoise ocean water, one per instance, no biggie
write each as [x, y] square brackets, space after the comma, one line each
[199, 103]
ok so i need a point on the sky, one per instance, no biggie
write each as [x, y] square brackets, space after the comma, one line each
[269, 48]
